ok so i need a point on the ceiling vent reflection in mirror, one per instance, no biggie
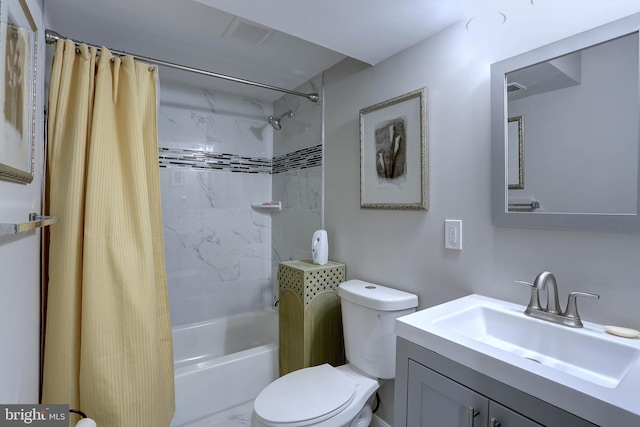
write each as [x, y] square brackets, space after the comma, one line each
[514, 87]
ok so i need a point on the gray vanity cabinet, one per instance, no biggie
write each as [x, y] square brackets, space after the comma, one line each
[434, 401]
[433, 391]
[501, 416]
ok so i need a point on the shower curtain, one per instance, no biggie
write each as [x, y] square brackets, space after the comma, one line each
[107, 347]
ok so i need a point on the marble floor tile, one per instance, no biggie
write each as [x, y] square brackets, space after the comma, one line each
[238, 416]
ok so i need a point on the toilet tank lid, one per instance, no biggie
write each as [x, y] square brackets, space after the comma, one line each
[376, 296]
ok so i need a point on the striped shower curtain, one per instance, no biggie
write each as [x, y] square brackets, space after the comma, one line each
[107, 344]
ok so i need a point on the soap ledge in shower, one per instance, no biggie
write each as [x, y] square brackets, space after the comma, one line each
[267, 205]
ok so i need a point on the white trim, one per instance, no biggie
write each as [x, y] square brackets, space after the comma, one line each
[378, 422]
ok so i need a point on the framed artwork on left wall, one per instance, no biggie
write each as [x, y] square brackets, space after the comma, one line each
[18, 47]
[394, 153]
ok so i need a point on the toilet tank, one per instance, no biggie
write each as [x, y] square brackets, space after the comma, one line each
[368, 315]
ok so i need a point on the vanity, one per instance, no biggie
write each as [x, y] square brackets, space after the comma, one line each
[478, 361]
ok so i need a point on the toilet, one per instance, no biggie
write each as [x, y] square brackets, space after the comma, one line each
[342, 396]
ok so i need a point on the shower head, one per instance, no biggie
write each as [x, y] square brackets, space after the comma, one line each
[276, 122]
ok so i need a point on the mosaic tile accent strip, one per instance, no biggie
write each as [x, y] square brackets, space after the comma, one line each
[300, 159]
[197, 159]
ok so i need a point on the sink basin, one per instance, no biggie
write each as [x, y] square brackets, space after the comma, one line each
[577, 352]
[584, 371]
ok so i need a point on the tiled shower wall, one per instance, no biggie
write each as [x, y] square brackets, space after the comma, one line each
[215, 157]
[218, 155]
[297, 176]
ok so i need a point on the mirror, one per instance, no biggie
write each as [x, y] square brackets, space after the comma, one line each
[580, 100]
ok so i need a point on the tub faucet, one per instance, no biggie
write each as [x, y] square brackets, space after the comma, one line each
[552, 312]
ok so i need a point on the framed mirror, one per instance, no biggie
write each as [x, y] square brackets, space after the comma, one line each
[581, 100]
[18, 47]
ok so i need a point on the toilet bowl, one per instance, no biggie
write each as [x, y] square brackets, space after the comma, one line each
[318, 396]
[327, 396]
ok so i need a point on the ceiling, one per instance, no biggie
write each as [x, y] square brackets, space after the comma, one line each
[308, 38]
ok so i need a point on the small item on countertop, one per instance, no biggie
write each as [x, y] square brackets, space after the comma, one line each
[622, 332]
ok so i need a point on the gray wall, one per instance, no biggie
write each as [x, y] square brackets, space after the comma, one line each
[405, 249]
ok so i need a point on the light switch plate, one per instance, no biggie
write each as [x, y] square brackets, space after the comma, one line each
[453, 234]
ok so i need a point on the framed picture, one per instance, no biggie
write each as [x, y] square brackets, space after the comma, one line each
[18, 47]
[394, 153]
[515, 148]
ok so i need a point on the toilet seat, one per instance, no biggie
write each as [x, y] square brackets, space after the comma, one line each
[305, 396]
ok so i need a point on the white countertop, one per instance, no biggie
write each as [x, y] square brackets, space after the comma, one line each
[606, 406]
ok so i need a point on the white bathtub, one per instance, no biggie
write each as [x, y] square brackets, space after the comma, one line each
[223, 363]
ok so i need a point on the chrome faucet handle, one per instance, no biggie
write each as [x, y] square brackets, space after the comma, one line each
[534, 300]
[522, 282]
[572, 308]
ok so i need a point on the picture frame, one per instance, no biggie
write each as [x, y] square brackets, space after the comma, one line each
[394, 153]
[18, 55]
[515, 149]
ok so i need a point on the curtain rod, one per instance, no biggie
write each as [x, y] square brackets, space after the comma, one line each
[52, 37]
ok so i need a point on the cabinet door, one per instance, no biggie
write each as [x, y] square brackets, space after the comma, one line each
[436, 401]
[500, 416]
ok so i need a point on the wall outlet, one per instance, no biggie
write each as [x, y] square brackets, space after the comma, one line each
[453, 234]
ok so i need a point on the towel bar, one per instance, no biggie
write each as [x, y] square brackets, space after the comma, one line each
[534, 204]
[35, 221]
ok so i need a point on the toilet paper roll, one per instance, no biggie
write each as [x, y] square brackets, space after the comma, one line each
[86, 422]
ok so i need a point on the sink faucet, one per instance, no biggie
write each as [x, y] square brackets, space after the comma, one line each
[547, 280]
[552, 312]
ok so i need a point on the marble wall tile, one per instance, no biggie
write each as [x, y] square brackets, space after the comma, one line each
[218, 249]
[189, 188]
[198, 118]
[221, 254]
[247, 296]
[292, 232]
[301, 131]
[299, 188]
[304, 129]
[187, 310]
[216, 244]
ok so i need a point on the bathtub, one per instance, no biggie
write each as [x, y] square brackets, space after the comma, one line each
[223, 363]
